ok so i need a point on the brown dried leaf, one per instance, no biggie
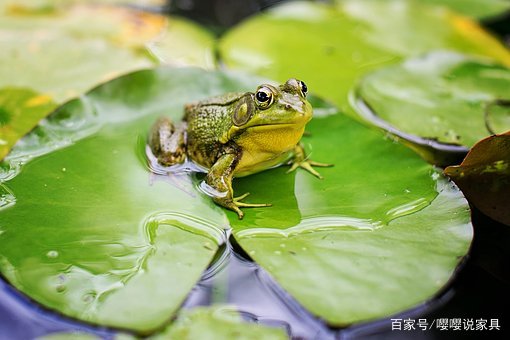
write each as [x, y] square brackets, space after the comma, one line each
[484, 176]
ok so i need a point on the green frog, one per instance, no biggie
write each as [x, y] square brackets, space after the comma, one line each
[238, 134]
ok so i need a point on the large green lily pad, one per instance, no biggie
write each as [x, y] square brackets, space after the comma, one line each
[88, 225]
[61, 50]
[86, 228]
[381, 233]
[440, 99]
[331, 47]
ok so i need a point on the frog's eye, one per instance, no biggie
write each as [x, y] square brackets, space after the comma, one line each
[264, 97]
[303, 87]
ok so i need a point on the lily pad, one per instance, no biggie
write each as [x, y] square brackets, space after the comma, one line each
[480, 9]
[45, 6]
[88, 225]
[332, 46]
[20, 110]
[83, 45]
[381, 233]
[445, 101]
[484, 176]
[217, 322]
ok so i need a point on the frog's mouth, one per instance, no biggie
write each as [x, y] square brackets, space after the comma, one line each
[271, 122]
[272, 126]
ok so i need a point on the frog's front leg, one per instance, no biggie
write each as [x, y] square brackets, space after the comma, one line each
[220, 177]
[299, 160]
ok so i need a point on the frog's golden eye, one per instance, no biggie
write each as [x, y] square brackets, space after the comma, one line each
[264, 97]
[303, 87]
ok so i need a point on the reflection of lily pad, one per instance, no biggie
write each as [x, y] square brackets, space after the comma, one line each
[331, 47]
[95, 227]
[443, 98]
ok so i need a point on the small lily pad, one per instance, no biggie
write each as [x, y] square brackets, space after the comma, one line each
[217, 322]
[484, 176]
[332, 46]
[445, 101]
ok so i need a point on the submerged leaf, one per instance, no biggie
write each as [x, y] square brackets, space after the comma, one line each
[484, 176]
[442, 101]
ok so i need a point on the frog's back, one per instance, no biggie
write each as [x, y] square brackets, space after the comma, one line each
[224, 99]
[207, 121]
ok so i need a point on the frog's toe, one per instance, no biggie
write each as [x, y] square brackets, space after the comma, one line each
[293, 167]
[248, 205]
[238, 198]
[322, 165]
[305, 165]
[239, 212]
[308, 166]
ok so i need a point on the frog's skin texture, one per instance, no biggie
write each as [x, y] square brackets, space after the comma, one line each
[238, 134]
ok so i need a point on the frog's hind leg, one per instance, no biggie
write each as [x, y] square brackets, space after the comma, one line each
[168, 142]
[219, 178]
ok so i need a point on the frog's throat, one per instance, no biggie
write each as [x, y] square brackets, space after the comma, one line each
[235, 130]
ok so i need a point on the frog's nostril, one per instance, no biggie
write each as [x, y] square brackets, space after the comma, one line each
[287, 106]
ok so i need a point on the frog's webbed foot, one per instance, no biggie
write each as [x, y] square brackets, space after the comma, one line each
[300, 161]
[249, 205]
[308, 166]
[219, 177]
[235, 204]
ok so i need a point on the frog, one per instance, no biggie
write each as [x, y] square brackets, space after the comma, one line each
[238, 134]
